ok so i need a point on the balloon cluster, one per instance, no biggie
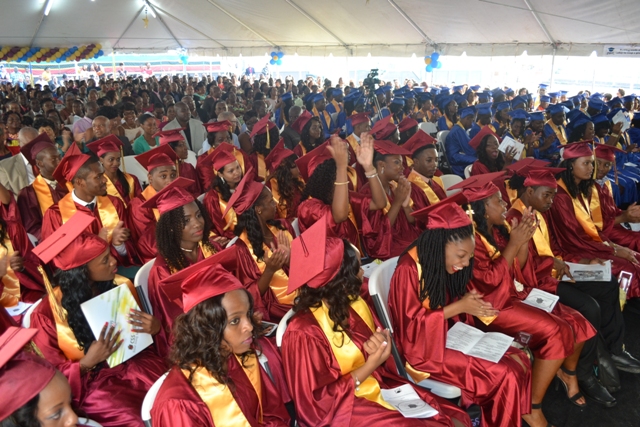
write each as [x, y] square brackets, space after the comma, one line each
[432, 61]
[276, 58]
[54, 54]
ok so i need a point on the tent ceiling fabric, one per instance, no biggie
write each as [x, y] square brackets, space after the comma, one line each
[340, 27]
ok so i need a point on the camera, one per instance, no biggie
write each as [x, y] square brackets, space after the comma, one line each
[371, 81]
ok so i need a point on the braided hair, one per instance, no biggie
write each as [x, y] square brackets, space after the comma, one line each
[482, 226]
[320, 184]
[287, 184]
[493, 165]
[169, 235]
[260, 141]
[250, 222]
[436, 283]
[584, 187]
[305, 138]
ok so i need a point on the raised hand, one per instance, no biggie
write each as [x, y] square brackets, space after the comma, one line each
[364, 153]
[108, 342]
[338, 149]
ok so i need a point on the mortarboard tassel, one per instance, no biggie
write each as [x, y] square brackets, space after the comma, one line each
[52, 298]
[124, 168]
[268, 138]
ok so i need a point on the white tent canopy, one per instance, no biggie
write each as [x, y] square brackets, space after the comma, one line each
[318, 28]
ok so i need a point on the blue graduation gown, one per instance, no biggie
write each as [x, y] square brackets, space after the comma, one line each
[459, 153]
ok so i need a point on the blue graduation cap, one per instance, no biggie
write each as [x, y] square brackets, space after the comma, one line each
[629, 98]
[398, 101]
[308, 97]
[613, 113]
[484, 96]
[444, 90]
[596, 104]
[509, 91]
[398, 92]
[554, 95]
[579, 122]
[435, 91]
[518, 115]
[458, 88]
[406, 88]
[568, 104]
[543, 86]
[636, 116]
[600, 118]
[497, 92]
[317, 97]
[557, 108]
[287, 96]
[418, 89]
[563, 92]
[459, 97]
[538, 115]
[518, 100]
[467, 111]
[576, 100]
[484, 109]
[424, 96]
[336, 92]
[409, 95]
[596, 95]
[615, 101]
[545, 98]
[574, 115]
[503, 105]
[475, 88]
[444, 101]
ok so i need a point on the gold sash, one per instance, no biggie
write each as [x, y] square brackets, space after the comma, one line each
[280, 281]
[230, 218]
[353, 177]
[113, 191]
[281, 205]
[353, 143]
[107, 211]
[337, 106]
[11, 292]
[43, 194]
[449, 122]
[148, 193]
[595, 207]
[348, 354]
[417, 179]
[583, 213]
[304, 150]
[262, 167]
[559, 131]
[218, 397]
[541, 237]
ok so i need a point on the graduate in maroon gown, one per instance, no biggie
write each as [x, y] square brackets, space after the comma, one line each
[422, 174]
[110, 396]
[500, 274]
[428, 295]
[265, 135]
[175, 139]
[284, 181]
[490, 159]
[575, 235]
[228, 173]
[160, 162]
[120, 184]
[310, 130]
[399, 205]
[217, 379]
[263, 246]
[326, 195]
[607, 216]
[181, 239]
[35, 199]
[35, 393]
[218, 133]
[335, 354]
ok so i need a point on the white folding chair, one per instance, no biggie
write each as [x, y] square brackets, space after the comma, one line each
[231, 242]
[428, 127]
[26, 318]
[33, 239]
[296, 227]
[149, 398]
[467, 170]
[133, 167]
[443, 160]
[282, 327]
[192, 158]
[88, 422]
[450, 180]
[201, 197]
[379, 284]
[141, 282]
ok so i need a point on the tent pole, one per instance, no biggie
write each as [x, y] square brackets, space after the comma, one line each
[553, 64]
[113, 64]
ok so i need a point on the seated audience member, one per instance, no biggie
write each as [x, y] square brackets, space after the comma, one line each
[265, 136]
[15, 172]
[422, 175]
[148, 139]
[284, 181]
[310, 130]
[490, 159]
[176, 141]
[459, 152]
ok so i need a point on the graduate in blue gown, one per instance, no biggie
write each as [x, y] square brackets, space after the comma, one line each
[459, 153]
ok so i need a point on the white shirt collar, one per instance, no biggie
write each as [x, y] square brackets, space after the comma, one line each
[81, 202]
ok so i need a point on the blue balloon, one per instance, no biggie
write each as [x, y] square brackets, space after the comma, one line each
[272, 62]
[280, 54]
[438, 64]
[435, 56]
[273, 54]
[100, 52]
[429, 68]
[279, 62]
[58, 60]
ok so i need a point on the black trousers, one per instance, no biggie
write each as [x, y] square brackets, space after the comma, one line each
[599, 303]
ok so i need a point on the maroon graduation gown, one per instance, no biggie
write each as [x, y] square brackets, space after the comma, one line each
[188, 171]
[125, 196]
[615, 232]
[143, 228]
[211, 203]
[325, 397]
[31, 283]
[501, 389]
[30, 211]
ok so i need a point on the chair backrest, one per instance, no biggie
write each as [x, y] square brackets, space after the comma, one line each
[192, 158]
[141, 281]
[201, 197]
[231, 242]
[443, 160]
[26, 317]
[296, 226]
[33, 239]
[429, 127]
[87, 422]
[442, 137]
[282, 327]
[379, 284]
[149, 398]
[133, 167]
[449, 181]
[467, 170]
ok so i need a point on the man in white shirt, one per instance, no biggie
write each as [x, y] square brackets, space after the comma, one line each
[16, 172]
[194, 132]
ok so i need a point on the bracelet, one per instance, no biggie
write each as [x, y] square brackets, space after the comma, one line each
[372, 176]
[341, 183]
[357, 382]
[615, 135]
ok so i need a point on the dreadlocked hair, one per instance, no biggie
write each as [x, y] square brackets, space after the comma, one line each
[482, 226]
[260, 141]
[305, 138]
[287, 184]
[169, 235]
[250, 222]
[338, 293]
[435, 282]
[584, 187]
[77, 287]
[493, 165]
[320, 184]
[3, 232]
[198, 339]
[121, 179]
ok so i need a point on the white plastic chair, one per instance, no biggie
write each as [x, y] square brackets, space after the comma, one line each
[379, 284]
[32, 239]
[296, 227]
[141, 282]
[133, 167]
[428, 127]
[87, 422]
[192, 158]
[442, 137]
[467, 170]
[282, 327]
[149, 398]
[201, 197]
[450, 180]
[26, 318]
[231, 242]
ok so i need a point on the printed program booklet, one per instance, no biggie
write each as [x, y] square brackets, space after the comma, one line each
[489, 346]
[589, 272]
[540, 299]
[407, 402]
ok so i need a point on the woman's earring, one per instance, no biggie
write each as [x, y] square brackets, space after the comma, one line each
[222, 179]
[382, 170]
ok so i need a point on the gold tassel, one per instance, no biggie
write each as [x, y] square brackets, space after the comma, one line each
[124, 168]
[268, 138]
[52, 297]
[595, 162]
[470, 213]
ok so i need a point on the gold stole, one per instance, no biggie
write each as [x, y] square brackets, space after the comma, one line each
[113, 191]
[353, 177]
[337, 106]
[11, 292]
[596, 208]
[230, 218]
[262, 167]
[66, 339]
[559, 131]
[304, 150]
[415, 178]
[353, 143]
[236, 153]
[583, 214]
[43, 194]
[348, 354]
[541, 237]
[393, 185]
[325, 115]
[218, 397]
[106, 209]
[449, 122]
[148, 193]
[280, 281]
